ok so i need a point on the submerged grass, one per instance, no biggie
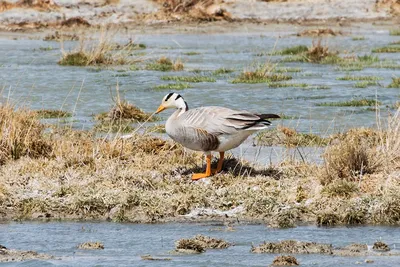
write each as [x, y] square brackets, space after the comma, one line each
[352, 103]
[221, 71]
[365, 84]
[173, 86]
[165, 64]
[387, 49]
[395, 32]
[295, 50]
[189, 79]
[395, 83]
[359, 78]
[52, 113]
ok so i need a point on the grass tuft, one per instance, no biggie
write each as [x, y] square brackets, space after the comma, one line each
[295, 50]
[352, 103]
[394, 32]
[221, 71]
[387, 49]
[165, 64]
[395, 83]
[359, 78]
[173, 86]
[52, 114]
[189, 79]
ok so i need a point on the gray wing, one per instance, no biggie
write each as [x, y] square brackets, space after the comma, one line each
[219, 120]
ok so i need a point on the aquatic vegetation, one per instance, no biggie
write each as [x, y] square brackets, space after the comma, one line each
[52, 113]
[394, 32]
[395, 43]
[173, 86]
[387, 49]
[191, 53]
[46, 48]
[189, 79]
[365, 84]
[280, 85]
[151, 258]
[293, 246]
[165, 64]
[358, 38]
[295, 50]
[91, 245]
[100, 53]
[359, 78]
[261, 74]
[351, 103]
[285, 260]
[395, 83]
[319, 32]
[317, 53]
[221, 71]
[287, 69]
[57, 36]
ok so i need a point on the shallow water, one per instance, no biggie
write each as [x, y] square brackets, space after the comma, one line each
[31, 77]
[125, 243]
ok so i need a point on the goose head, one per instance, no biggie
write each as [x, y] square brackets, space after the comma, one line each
[172, 100]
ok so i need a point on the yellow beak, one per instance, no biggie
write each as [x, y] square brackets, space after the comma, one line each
[160, 108]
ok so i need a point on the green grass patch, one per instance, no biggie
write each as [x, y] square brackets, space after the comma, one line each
[165, 64]
[395, 83]
[358, 38]
[189, 79]
[191, 53]
[46, 48]
[52, 114]
[173, 86]
[284, 70]
[395, 43]
[359, 78]
[221, 71]
[260, 77]
[365, 84]
[395, 32]
[74, 59]
[387, 49]
[295, 50]
[281, 85]
[318, 87]
[352, 103]
[134, 67]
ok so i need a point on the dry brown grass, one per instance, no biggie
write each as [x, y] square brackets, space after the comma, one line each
[146, 179]
[101, 52]
[353, 155]
[20, 134]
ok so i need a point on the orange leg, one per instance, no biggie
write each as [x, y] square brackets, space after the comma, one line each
[220, 162]
[197, 176]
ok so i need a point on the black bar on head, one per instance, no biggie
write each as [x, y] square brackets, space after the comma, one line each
[168, 96]
[178, 96]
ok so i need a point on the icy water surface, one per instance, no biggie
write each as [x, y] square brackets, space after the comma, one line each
[125, 243]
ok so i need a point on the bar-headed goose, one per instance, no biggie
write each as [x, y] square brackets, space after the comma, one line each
[210, 128]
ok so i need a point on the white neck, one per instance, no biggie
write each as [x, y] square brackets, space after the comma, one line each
[181, 106]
